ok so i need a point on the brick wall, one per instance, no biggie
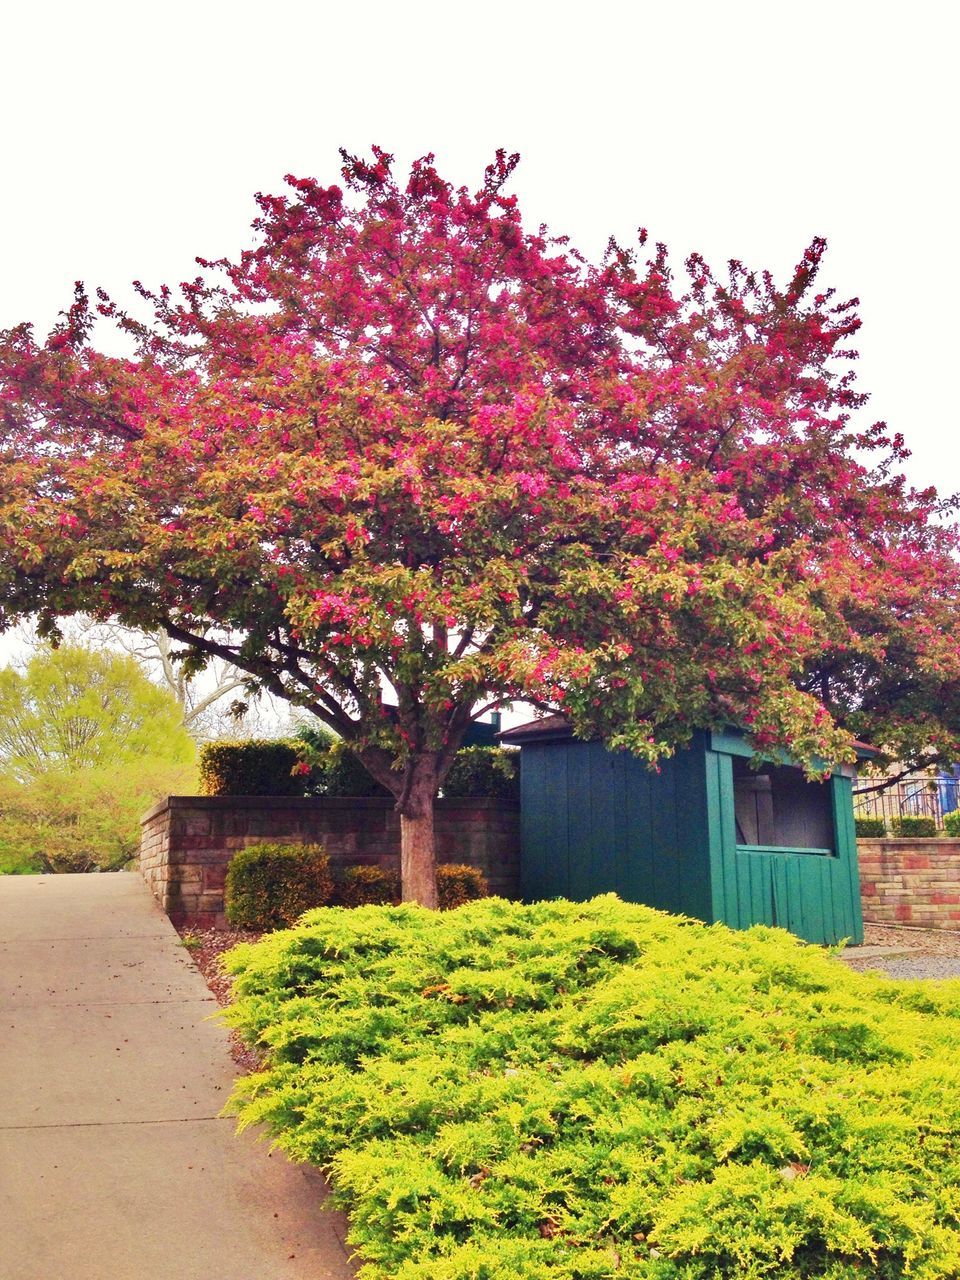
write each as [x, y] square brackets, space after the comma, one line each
[186, 842]
[914, 882]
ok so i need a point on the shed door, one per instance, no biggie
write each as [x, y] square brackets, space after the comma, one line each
[789, 852]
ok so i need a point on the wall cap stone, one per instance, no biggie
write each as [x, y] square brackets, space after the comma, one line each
[318, 804]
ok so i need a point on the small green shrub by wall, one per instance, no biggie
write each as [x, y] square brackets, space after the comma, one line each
[269, 886]
[951, 823]
[258, 767]
[370, 886]
[871, 828]
[913, 828]
[457, 883]
[484, 771]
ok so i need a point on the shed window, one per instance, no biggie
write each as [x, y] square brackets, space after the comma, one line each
[776, 807]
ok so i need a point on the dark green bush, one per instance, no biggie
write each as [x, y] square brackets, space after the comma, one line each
[269, 886]
[484, 771]
[370, 886]
[871, 828]
[331, 768]
[599, 1091]
[913, 828]
[951, 823]
[313, 742]
[342, 774]
[258, 767]
[316, 736]
[457, 883]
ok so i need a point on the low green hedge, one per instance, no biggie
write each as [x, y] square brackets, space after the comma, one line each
[870, 828]
[342, 774]
[269, 886]
[951, 823]
[458, 884]
[484, 771]
[913, 828]
[330, 768]
[598, 1091]
[316, 762]
[257, 767]
[370, 886]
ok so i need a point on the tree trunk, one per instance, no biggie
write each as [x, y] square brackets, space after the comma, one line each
[418, 858]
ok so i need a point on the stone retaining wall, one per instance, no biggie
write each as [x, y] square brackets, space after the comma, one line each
[914, 882]
[187, 841]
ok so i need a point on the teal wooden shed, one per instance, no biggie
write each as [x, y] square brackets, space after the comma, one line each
[707, 836]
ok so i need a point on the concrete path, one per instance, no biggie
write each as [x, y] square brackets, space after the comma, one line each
[114, 1164]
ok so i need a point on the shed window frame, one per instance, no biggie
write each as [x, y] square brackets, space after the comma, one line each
[775, 815]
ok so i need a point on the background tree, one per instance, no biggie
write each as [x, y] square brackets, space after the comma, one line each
[87, 743]
[82, 819]
[72, 709]
[405, 447]
[214, 703]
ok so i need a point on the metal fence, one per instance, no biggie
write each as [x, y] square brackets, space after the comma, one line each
[922, 796]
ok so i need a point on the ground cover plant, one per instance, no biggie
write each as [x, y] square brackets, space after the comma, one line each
[566, 1091]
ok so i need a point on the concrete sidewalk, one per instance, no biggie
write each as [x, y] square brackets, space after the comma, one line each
[114, 1164]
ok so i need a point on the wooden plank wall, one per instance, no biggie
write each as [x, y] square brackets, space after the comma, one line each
[814, 896]
[596, 821]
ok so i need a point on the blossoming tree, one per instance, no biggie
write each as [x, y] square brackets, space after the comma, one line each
[406, 460]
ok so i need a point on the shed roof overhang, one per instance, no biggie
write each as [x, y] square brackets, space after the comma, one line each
[557, 728]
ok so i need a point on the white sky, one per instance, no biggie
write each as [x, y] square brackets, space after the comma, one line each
[134, 136]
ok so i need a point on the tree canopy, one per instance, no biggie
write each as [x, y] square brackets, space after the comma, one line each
[406, 449]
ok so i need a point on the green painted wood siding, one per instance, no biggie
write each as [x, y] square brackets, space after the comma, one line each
[816, 896]
[595, 821]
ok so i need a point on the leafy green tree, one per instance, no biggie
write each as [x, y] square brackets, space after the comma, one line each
[87, 743]
[84, 819]
[72, 709]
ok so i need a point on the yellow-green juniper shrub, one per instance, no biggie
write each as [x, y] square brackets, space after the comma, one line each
[599, 1091]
